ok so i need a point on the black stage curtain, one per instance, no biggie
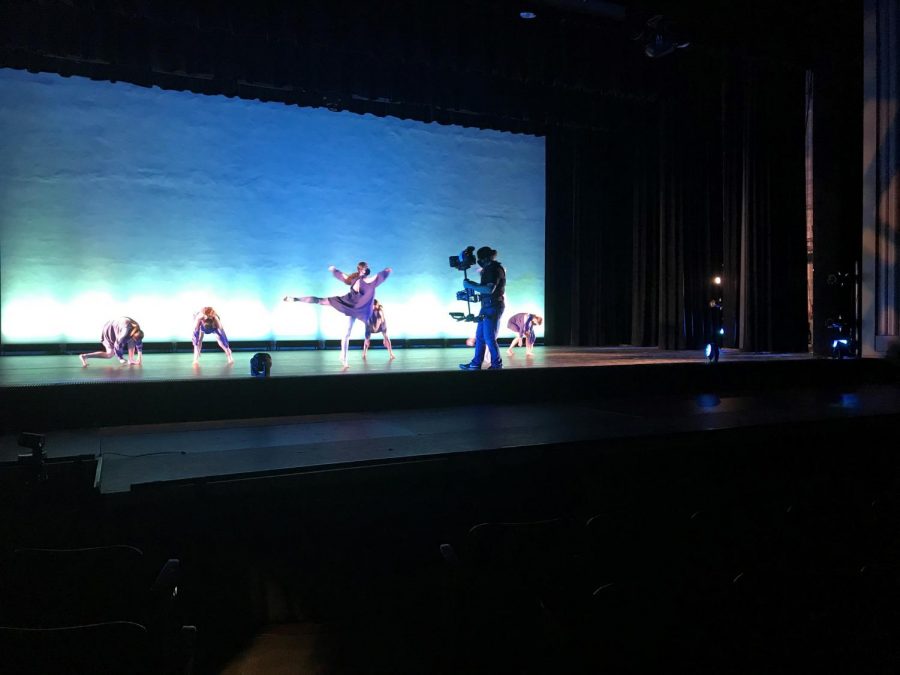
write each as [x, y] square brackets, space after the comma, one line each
[765, 222]
[642, 216]
[689, 215]
[588, 273]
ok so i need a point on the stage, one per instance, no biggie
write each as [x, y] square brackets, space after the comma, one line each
[28, 371]
[169, 424]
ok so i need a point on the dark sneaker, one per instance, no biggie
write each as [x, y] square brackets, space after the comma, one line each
[469, 366]
[499, 366]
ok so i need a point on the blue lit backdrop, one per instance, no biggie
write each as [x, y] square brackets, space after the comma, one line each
[117, 199]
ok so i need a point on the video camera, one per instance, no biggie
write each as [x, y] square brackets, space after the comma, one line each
[463, 261]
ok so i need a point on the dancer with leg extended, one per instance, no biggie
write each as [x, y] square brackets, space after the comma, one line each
[377, 323]
[357, 304]
[117, 336]
[522, 325]
[207, 322]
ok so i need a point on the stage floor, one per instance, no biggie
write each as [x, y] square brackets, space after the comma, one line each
[151, 455]
[19, 371]
[167, 423]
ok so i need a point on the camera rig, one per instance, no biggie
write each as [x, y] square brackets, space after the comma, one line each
[463, 261]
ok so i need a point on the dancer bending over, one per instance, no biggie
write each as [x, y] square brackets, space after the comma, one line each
[523, 326]
[207, 322]
[117, 336]
[357, 304]
[377, 323]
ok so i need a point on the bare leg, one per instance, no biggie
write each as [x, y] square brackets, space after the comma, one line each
[198, 347]
[366, 343]
[529, 346]
[517, 342]
[225, 349]
[311, 300]
[387, 344]
[345, 342]
[95, 355]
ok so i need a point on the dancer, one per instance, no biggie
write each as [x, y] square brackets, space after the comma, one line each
[207, 322]
[357, 304]
[523, 326]
[116, 336]
[377, 323]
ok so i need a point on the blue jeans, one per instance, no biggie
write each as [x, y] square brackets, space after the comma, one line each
[486, 336]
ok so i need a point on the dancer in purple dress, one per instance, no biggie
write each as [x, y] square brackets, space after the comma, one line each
[523, 326]
[377, 323]
[207, 322]
[117, 336]
[357, 304]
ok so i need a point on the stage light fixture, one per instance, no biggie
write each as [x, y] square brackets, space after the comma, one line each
[527, 15]
[260, 365]
[660, 38]
[840, 348]
[714, 328]
[842, 344]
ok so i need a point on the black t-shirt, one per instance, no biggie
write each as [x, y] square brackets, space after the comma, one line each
[494, 273]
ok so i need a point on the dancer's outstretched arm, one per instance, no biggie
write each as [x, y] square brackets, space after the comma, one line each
[382, 276]
[340, 276]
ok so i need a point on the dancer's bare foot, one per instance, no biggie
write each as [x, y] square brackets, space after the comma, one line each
[230, 361]
[393, 357]
[83, 360]
[509, 352]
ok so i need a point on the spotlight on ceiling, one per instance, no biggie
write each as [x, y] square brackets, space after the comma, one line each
[527, 15]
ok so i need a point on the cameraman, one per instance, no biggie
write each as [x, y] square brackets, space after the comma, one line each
[491, 290]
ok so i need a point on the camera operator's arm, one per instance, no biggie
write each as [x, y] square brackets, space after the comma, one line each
[484, 289]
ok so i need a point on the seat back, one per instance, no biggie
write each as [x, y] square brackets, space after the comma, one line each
[109, 648]
[45, 588]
